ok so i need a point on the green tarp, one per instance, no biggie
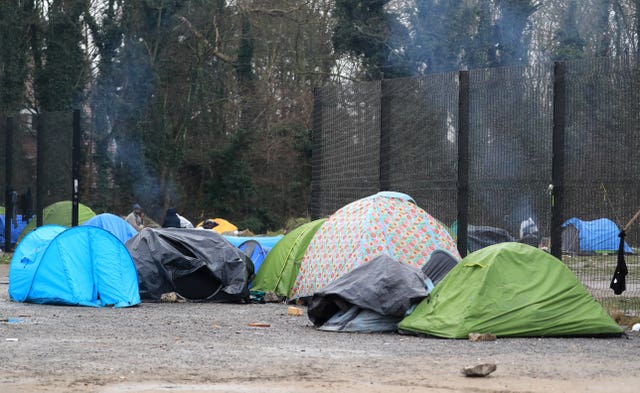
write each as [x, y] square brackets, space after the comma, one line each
[510, 289]
[280, 268]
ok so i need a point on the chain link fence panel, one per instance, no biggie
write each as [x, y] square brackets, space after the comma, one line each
[402, 135]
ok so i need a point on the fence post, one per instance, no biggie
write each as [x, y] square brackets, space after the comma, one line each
[75, 168]
[384, 184]
[40, 155]
[463, 161]
[557, 166]
[316, 154]
[8, 186]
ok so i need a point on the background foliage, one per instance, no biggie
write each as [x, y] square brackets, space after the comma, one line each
[205, 105]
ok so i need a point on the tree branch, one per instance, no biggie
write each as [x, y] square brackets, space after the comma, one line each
[214, 47]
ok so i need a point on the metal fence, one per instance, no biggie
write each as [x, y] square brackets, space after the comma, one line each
[40, 167]
[495, 147]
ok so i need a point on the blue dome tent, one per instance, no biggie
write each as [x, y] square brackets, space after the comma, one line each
[256, 251]
[84, 266]
[118, 226]
[265, 241]
[587, 237]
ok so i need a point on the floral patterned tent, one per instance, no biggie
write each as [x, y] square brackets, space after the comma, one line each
[385, 223]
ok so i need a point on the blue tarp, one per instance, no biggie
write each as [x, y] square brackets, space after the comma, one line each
[16, 229]
[265, 241]
[83, 266]
[114, 224]
[597, 235]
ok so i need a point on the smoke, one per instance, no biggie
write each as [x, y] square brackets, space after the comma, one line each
[120, 101]
[511, 25]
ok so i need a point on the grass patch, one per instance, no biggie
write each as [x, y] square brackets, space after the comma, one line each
[625, 309]
[623, 319]
[5, 258]
[596, 271]
[601, 266]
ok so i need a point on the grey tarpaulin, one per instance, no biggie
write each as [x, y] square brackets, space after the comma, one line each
[384, 286]
[197, 264]
[481, 236]
[439, 264]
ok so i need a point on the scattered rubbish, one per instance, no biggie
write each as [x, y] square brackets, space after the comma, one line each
[12, 339]
[482, 337]
[297, 311]
[11, 320]
[256, 297]
[256, 324]
[479, 370]
[636, 327]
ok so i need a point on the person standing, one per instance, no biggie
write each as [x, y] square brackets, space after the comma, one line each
[171, 220]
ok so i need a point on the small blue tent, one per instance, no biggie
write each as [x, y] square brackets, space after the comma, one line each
[118, 226]
[84, 266]
[599, 235]
[256, 252]
[265, 241]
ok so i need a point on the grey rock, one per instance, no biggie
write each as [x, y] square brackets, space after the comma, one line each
[271, 297]
[479, 370]
[482, 337]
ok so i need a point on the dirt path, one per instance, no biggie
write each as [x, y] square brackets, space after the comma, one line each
[178, 347]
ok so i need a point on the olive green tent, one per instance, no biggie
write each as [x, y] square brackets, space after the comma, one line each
[59, 213]
[510, 289]
[280, 268]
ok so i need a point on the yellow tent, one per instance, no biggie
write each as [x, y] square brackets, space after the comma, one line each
[223, 226]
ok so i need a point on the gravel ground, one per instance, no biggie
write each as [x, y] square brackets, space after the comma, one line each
[195, 347]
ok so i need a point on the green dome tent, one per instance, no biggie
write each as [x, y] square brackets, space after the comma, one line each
[510, 289]
[59, 213]
[279, 269]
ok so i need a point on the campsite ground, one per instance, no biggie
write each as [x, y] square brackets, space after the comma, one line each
[189, 347]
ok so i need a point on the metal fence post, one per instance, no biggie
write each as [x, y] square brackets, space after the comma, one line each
[557, 166]
[9, 208]
[384, 183]
[316, 154]
[40, 141]
[75, 167]
[463, 161]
